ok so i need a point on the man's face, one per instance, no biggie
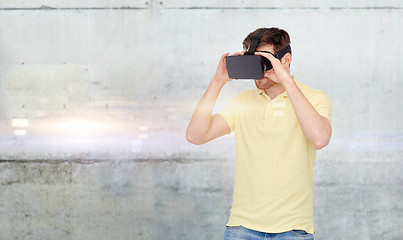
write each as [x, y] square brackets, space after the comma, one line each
[266, 82]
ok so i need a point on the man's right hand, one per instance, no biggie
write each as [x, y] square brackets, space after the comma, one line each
[221, 74]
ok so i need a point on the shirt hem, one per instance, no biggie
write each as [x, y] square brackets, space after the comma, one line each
[274, 230]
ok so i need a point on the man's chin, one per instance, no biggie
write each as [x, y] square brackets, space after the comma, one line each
[264, 83]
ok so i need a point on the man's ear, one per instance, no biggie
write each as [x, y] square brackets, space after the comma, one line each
[286, 59]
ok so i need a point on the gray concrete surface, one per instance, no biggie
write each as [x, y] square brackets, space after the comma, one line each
[95, 97]
[181, 199]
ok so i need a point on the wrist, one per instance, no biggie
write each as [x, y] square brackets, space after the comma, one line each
[218, 81]
[289, 80]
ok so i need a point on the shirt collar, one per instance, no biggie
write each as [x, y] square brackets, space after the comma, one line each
[281, 96]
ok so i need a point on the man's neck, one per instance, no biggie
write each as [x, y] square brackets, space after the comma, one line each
[274, 90]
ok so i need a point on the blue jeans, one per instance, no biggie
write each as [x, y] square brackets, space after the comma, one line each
[242, 233]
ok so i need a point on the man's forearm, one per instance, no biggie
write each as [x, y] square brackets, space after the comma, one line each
[201, 118]
[316, 128]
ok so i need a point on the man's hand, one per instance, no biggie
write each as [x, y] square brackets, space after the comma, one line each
[221, 74]
[278, 72]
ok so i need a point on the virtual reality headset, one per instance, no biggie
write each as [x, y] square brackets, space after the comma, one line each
[250, 66]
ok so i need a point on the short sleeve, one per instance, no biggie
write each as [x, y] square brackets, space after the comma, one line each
[320, 101]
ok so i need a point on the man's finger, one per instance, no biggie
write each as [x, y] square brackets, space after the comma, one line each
[269, 56]
[266, 55]
[236, 54]
[222, 59]
[224, 56]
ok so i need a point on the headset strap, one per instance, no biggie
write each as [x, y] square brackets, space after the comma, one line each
[255, 42]
[282, 52]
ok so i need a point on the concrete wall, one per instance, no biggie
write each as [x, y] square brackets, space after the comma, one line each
[95, 97]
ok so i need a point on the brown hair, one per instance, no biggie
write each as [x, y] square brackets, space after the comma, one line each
[279, 38]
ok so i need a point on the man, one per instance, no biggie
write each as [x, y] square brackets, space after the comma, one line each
[279, 126]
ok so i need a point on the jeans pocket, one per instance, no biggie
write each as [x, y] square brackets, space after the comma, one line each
[300, 233]
[232, 228]
[235, 232]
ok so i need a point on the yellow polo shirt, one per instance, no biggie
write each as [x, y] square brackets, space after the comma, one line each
[274, 161]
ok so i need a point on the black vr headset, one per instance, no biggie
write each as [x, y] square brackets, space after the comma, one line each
[250, 66]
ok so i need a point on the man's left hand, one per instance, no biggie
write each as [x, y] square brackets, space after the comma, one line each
[278, 72]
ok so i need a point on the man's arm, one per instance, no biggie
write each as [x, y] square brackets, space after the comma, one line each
[203, 127]
[316, 128]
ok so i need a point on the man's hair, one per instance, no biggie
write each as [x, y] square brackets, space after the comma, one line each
[279, 38]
